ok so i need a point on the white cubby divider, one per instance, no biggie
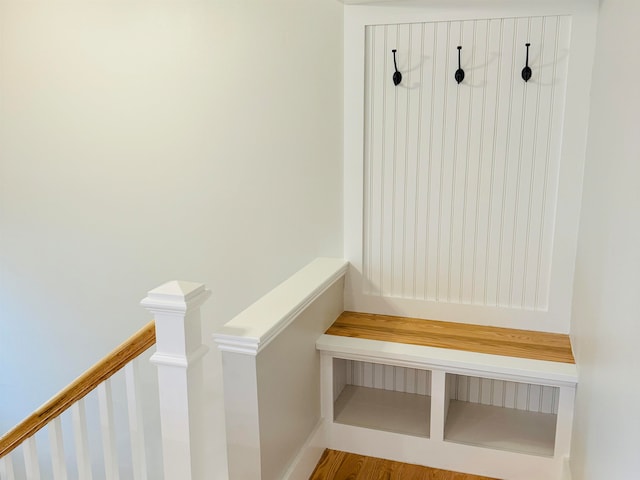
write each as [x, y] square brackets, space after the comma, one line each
[492, 415]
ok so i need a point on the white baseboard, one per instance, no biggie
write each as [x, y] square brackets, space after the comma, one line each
[305, 462]
[566, 469]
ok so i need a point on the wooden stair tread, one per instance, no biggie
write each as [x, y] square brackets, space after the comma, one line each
[338, 465]
[509, 342]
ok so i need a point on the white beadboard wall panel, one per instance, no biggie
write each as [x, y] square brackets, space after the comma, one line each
[460, 181]
[502, 393]
[486, 391]
[387, 377]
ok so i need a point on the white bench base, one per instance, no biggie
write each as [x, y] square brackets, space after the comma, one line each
[467, 437]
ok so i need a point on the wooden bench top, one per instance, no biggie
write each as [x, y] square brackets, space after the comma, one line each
[509, 342]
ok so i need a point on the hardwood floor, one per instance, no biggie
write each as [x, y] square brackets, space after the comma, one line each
[336, 465]
[510, 342]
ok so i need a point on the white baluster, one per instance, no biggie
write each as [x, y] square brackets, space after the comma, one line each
[136, 424]
[31, 464]
[57, 449]
[6, 468]
[107, 426]
[83, 458]
[179, 352]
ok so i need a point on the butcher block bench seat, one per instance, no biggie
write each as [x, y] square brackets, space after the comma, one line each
[529, 353]
[552, 347]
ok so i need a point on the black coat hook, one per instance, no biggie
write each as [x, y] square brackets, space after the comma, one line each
[459, 72]
[526, 71]
[397, 76]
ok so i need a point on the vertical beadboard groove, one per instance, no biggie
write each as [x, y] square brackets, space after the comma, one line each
[503, 393]
[417, 179]
[444, 130]
[427, 235]
[394, 169]
[506, 171]
[406, 166]
[370, 81]
[493, 163]
[503, 398]
[546, 169]
[556, 400]
[532, 173]
[398, 379]
[375, 163]
[480, 163]
[392, 197]
[540, 398]
[454, 164]
[492, 390]
[383, 165]
[459, 206]
[466, 170]
[518, 180]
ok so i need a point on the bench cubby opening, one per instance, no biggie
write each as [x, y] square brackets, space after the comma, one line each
[382, 397]
[502, 415]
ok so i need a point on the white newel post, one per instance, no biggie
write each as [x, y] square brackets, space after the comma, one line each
[179, 351]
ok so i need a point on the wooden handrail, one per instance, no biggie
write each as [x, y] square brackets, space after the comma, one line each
[79, 388]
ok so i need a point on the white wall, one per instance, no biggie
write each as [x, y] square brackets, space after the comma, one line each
[606, 322]
[288, 381]
[147, 141]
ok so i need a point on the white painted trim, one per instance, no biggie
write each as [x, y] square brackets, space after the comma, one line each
[453, 361]
[443, 454]
[362, 13]
[58, 459]
[233, 345]
[305, 462]
[252, 330]
[30, 454]
[178, 360]
[175, 297]
[79, 422]
[376, 12]
[6, 468]
[438, 451]
[566, 469]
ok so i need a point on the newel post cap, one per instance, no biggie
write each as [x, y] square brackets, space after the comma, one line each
[175, 296]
